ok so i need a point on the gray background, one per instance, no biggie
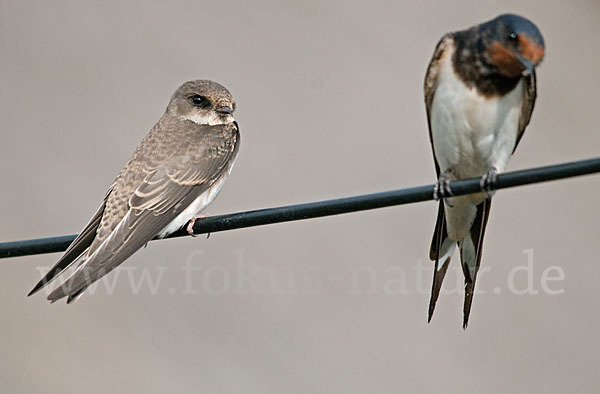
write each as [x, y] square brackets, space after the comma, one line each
[330, 104]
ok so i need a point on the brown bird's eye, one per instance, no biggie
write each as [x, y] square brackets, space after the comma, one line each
[200, 101]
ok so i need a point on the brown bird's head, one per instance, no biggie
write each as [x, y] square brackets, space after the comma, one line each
[513, 44]
[202, 102]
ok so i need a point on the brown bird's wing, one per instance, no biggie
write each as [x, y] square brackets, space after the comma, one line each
[76, 248]
[163, 194]
[441, 246]
[529, 96]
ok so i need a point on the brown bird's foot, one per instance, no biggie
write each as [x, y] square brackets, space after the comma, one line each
[488, 180]
[442, 187]
[190, 226]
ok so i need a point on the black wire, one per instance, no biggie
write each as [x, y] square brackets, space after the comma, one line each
[338, 206]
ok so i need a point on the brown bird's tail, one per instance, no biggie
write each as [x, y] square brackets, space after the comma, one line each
[442, 249]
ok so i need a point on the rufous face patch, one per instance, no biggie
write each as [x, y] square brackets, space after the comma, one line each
[530, 49]
[505, 60]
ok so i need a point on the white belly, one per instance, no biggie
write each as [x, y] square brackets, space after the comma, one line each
[470, 132]
[195, 207]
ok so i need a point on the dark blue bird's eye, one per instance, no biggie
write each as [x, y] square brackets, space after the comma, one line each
[512, 36]
[200, 101]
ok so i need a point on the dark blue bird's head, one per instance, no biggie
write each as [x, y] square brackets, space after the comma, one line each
[513, 44]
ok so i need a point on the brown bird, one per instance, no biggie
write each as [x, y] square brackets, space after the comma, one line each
[175, 172]
[480, 90]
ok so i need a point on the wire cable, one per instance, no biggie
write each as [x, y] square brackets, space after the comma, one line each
[338, 206]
